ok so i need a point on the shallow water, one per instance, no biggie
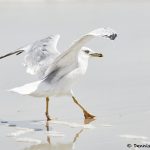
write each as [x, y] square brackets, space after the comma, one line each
[115, 88]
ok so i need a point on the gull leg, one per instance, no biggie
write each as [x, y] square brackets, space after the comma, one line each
[46, 113]
[87, 115]
[77, 135]
[47, 129]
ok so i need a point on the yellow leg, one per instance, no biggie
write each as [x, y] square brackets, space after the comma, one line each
[87, 115]
[46, 113]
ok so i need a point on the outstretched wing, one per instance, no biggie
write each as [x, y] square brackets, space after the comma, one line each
[38, 54]
[68, 60]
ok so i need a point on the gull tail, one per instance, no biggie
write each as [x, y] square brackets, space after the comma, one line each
[27, 89]
[12, 53]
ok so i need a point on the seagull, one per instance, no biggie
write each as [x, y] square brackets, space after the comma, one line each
[58, 72]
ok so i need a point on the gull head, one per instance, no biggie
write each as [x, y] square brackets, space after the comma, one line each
[87, 52]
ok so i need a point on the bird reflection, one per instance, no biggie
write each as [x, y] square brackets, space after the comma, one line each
[59, 146]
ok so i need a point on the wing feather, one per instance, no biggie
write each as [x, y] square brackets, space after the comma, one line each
[38, 55]
[68, 60]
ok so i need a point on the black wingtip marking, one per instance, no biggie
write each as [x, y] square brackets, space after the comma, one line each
[12, 53]
[113, 36]
[20, 51]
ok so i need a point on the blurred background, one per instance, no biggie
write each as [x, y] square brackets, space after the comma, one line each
[115, 88]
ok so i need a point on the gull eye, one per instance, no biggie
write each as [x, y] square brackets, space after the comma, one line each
[87, 51]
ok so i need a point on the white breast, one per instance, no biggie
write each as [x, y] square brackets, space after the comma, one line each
[65, 84]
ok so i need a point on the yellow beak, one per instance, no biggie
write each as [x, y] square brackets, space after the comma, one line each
[96, 55]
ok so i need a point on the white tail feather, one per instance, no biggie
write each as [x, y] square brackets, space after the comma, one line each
[26, 89]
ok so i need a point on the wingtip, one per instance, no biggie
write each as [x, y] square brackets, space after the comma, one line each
[113, 33]
[113, 36]
[104, 32]
[54, 36]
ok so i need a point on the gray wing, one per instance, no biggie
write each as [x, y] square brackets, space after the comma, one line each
[68, 60]
[38, 55]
